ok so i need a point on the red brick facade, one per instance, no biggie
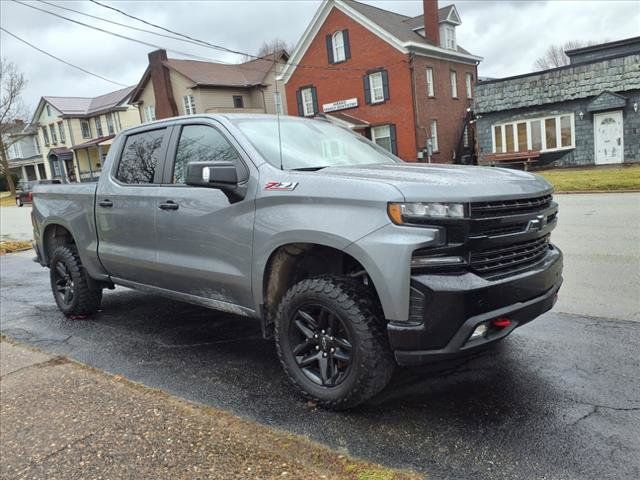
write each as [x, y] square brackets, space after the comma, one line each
[345, 80]
[411, 114]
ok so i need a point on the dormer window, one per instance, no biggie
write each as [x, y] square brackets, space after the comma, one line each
[448, 37]
[338, 46]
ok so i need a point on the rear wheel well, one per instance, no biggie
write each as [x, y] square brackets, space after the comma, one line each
[291, 263]
[55, 236]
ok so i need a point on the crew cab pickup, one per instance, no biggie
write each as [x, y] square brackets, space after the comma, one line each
[352, 260]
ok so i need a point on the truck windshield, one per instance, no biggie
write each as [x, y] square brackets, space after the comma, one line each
[310, 144]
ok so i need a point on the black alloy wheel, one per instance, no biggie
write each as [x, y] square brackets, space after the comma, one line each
[64, 286]
[321, 345]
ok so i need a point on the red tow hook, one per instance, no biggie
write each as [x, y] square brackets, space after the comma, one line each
[500, 322]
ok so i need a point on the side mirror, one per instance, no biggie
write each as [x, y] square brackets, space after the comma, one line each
[220, 175]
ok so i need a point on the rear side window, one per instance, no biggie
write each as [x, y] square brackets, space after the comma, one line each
[140, 157]
[200, 143]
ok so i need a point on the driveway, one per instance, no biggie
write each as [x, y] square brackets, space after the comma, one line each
[15, 223]
[558, 399]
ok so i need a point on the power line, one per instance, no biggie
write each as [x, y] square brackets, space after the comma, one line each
[113, 33]
[61, 60]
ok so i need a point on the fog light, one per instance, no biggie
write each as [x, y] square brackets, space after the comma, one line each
[479, 331]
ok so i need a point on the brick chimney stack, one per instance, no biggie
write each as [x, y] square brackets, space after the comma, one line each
[165, 106]
[431, 25]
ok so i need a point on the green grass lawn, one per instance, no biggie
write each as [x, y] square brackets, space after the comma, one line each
[591, 179]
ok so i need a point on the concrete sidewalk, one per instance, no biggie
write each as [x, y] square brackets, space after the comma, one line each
[62, 420]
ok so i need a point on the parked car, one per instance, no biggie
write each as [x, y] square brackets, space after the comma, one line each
[24, 193]
[351, 259]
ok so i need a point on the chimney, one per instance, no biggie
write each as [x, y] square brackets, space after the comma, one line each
[431, 25]
[165, 106]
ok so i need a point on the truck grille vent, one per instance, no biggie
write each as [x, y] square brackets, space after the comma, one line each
[503, 260]
[505, 230]
[416, 306]
[509, 207]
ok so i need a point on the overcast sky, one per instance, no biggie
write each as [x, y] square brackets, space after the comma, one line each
[510, 35]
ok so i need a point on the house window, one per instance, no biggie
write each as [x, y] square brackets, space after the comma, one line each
[454, 84]
[307, 102]
[63, 137]
[385, 136]
[85, 127]
[110, 125]
[45, 136]
[150, 113]
[238, 101]
[376, 87]
[537, 134]
[36, 143]
[449, 40]
[430, 87]
[338, 47]
[434, 135]
[469, 85]
[189, 105]
[54, 135]
[48, 111]
[98, 126]
[277, 100]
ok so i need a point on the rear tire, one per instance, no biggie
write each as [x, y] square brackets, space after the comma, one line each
[72, 290]
[332, 341]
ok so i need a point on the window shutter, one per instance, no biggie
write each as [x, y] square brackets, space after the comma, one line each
[329, 41]
[385, 85]
[299, 99]
[314, 95]
[347, 47]
[367, 89]
[394, 143]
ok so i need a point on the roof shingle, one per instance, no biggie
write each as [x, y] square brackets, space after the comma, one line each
[88, 106]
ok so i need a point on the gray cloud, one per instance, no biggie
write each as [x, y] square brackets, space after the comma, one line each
[510, 35]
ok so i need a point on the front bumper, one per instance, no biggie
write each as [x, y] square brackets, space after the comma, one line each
[454, 305]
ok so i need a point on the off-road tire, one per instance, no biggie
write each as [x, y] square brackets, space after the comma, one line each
[86, 296]
[372, 364]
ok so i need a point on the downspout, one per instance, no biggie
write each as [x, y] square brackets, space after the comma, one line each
[416, 117]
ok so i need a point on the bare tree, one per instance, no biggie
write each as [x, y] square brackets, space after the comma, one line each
[271, 46]
[554, 56]
[12, 84]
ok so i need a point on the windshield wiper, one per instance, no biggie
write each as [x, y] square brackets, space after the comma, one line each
[308, 169]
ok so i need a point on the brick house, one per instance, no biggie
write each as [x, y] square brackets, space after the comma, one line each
[584, 113]
[402, 81]
[170, 87]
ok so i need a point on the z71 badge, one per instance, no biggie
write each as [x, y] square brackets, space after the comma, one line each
[286, 186]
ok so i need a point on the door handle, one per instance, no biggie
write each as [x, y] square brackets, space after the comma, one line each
[169, 205]
[106, 203]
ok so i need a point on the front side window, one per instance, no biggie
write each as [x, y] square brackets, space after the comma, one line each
[377, 90]
[45, 136]
[238, 101]
[52, 131]
[189, 105]
[140, 157]
[469, 85]
[85, 126]
[307, 102]
[63, 137]
[201, 143]
[338, 47]
[454, 84]
[110, 125]
[434, 135]
[98, 123]
[150, 113]
[430, 87]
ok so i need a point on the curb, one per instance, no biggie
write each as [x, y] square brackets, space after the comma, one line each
[563, 192]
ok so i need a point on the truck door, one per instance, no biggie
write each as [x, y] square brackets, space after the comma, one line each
[204, 239]
[126, 207]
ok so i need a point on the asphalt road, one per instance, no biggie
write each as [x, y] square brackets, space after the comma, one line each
[559, 399]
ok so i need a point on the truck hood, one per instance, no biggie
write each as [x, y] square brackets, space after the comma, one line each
[431, 182]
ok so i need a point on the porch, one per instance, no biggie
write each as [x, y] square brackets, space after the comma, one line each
[90, 156]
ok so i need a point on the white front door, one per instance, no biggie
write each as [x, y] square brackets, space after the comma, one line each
[608, 137]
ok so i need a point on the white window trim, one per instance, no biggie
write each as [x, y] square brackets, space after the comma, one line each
[337, 45]
[469, 85]
[61, 132]
[434, 136]
[307, 102]
[453, 79]
[529, 137]
[88, 123]
[431, 91]
[112, 123]
[98, 121]
[189, 103]
[380, 137]
[375, 99]
[53, 133]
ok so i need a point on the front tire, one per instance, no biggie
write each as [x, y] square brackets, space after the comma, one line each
[332, 343]
[72, 289]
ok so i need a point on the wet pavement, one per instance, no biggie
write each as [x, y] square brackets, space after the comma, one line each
[559, 399]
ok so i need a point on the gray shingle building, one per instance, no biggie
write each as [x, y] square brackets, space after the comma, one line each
[584, 113]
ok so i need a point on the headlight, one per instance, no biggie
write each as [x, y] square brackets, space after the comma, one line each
[417, 213]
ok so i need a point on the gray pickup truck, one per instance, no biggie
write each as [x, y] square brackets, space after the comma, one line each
[352, 260]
